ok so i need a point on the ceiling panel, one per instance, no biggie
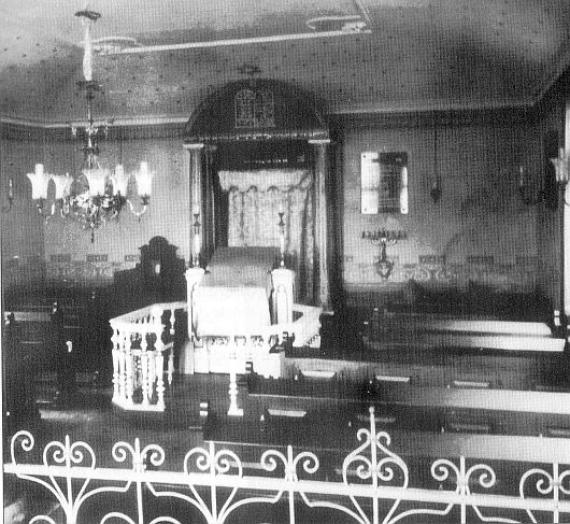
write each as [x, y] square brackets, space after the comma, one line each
[420, 54]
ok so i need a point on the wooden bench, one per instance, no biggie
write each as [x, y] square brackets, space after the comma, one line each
[459, 409]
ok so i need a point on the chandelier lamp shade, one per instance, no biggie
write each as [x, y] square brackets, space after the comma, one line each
[95, 194]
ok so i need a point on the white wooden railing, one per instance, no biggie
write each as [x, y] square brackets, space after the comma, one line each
[373, 485]
[141, 345]
[215, 353]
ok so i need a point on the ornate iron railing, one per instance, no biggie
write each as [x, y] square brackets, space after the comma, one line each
[374, 485]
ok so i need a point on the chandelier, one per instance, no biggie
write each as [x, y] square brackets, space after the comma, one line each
[95, 195]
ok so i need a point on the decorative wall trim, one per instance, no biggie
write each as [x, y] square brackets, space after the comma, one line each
[97, 258]
[480, 259]
[498, 277]
[431, 259]
[63, 258]
[81, 272]
[527, 260]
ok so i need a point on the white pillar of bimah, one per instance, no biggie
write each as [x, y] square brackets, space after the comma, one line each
[283, 295]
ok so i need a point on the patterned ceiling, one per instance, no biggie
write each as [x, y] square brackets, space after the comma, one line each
[411, 55]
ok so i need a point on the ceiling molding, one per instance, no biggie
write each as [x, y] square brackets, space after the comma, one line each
[433, 106]
[562, 65]
[152, 120]
[360, 110]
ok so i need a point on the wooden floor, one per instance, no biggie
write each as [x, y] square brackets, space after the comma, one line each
[434, 401]
[419, 419]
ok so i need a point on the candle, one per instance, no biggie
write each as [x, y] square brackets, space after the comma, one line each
[404, 176]
[196, 244]
[120, 181]
[144, 180]
[521, 176]
[404, 192]
[10, 189]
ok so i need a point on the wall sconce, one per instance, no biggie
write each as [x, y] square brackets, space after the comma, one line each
[561, 167]
[10, 196]
[435, 188]
[526, 191]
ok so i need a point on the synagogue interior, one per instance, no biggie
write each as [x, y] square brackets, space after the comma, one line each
[300, 261]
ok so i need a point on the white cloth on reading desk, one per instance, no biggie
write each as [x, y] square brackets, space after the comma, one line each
[241, 267]
[225, 311]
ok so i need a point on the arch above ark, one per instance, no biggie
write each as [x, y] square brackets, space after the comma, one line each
[261, 109]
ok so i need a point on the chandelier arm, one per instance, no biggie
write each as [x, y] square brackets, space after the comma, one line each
[46, 216]
[139, 214]
[43, 212]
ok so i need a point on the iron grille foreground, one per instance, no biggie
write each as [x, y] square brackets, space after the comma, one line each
[374, 486]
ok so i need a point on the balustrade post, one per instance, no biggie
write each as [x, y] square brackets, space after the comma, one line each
[129, 370]
[158, 365]
[144, 371]
[123, 372]
[282, 295]
[115, 355]
[170, 368]
[233, 410]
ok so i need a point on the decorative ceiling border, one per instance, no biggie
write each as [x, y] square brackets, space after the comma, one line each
[161, 120]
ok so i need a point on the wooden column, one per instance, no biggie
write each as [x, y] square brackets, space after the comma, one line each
[208, 204]
[565, 274]
[195, 153]
[321, 263]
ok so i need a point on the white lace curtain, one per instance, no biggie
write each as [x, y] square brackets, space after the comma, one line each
[255, 199]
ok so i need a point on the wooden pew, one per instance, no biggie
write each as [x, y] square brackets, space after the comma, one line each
[456, 409]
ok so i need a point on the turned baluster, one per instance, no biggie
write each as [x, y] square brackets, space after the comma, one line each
[144, 367]
[122, 378]
[170, 368]
[115, 352]
[159, 369]
[152, 370]
[129, 368]
[122, 363]
[233, 409]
